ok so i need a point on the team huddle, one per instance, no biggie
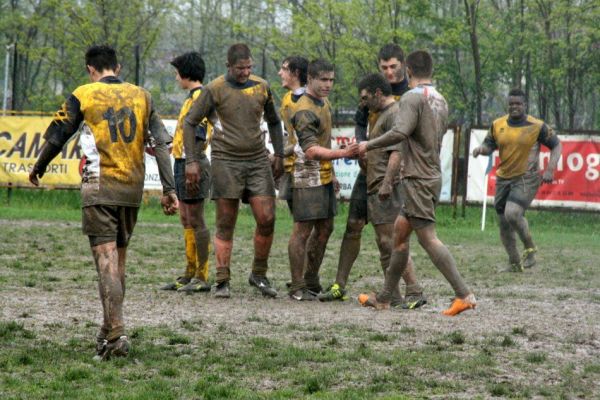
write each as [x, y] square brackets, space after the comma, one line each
[400, 122]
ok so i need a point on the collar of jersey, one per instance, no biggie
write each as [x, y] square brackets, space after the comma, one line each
[193, 90]
[399, 88]
[519, 122]
[232, 82]
[315, 100]
[111, 79]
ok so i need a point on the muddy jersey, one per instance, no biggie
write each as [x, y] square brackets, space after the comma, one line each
[312, 124]
[377, 160]
[417, 131]
[239, 108]
[287, 111]
[364, 117]
[519, 144]
[203, 131]
[116, 116]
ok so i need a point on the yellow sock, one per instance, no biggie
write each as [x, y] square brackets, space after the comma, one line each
[202, 270]
[190, 252]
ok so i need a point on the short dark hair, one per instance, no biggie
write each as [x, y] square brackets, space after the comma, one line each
[317, 66]
[190, 66]
[372, 82]
[101, 57]
[391, 50]
[237, 52]
[517, 92]
[298, 64]
[420, 64]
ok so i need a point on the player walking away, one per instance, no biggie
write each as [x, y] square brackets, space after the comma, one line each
[293, 77]
[189, 72]
[417, 133]
[240, 164]
[391, 66]
[116, 117]
[518, 137]
[313, 179]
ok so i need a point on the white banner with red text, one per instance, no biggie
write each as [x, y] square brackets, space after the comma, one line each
[576, 181]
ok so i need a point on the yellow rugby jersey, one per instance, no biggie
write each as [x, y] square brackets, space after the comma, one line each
[516, 142]
[287, 110]
[312, 124]
[116, 117]
[178, 150]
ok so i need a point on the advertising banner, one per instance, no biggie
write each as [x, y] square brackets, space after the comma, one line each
[21, 139]
[576, 180]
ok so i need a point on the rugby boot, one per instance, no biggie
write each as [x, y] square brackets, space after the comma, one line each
[333, 292]
[262, 283]
[222, 290]
[370, 300]
[514, 267]
[303, 295]
[459, 305]
[397, 302]
[195, 285]
[117, 348]
[413, 301]
[179, 283]
[528, 259]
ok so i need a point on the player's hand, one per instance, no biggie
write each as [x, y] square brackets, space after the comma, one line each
[192, 177]
[277, 166]
[547, 176]
[351, 150]
[336, 185]
[385, 190]
[362, 149]
[169, 204]
[35, 176]
[477, 151]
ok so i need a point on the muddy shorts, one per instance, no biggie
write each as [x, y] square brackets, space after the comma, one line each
[232, 179]
[314, 203]
[520, 190]
[384, 212]
[179, 172]
[358, 198]
[104, 224]
[286, 183]
[420, 197]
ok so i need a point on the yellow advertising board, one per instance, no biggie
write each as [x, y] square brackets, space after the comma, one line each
[21, 139]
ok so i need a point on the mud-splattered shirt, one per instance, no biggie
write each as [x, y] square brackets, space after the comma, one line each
[239, 108]
[116, 116]
[203, 130]
[287, 110]
[312, 124]
[377, 160]
[418, 128]
[519, 144]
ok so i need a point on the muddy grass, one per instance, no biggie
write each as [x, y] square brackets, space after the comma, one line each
[535, 334]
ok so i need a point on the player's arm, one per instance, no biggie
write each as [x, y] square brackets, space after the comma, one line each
[306, 125]
[275, 133]
[161, 139]
[202, 107]
[64, 125]
[361, 121]
[391, 174]
[405, 122]
[550, 140]
[488, 146]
